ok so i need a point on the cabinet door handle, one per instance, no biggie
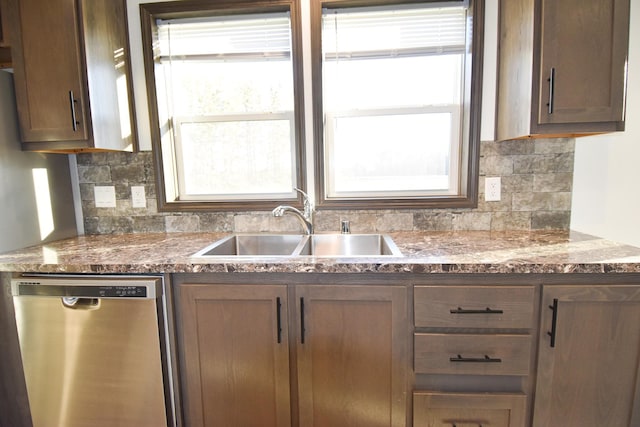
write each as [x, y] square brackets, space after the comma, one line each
[302, 320]
[487, 310]
[456, 425]
[554, 321]
[485, 359]
[279, 319]
[552, 88]
[74, 119]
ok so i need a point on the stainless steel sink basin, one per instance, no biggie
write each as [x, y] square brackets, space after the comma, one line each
[253, 245]
[350, 245]
[295, 245]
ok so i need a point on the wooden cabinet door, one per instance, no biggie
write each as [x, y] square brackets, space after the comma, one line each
[584, 46]
[4, 39]
[352, 355]
[590, 376]
[49, 77]
[5, 52]
[235, 355]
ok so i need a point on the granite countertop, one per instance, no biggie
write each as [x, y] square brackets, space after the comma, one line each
[424, 252]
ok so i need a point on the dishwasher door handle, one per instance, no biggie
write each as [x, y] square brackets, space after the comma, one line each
[76, 303]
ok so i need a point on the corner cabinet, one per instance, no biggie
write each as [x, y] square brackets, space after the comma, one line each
[589, 357]
[282, 355]
[71, 74]
[562, 67]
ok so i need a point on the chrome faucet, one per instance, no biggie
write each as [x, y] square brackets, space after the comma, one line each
[305, 218]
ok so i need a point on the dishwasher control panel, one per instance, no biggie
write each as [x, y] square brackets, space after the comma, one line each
[79, 288]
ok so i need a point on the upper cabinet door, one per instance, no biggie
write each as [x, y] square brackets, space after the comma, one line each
[49, 80]
[584, 46]
[3, 37]
[5, 52]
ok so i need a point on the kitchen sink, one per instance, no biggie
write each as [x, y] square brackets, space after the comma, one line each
[294, 245]
[349, 245]
[253, 245]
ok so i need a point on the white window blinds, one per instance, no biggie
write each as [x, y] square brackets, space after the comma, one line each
[225, 37]
[405, 31]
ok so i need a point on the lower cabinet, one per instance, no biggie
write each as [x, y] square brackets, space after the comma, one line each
[589, 357]
[308, 355]
[338, 355]
[235, 355]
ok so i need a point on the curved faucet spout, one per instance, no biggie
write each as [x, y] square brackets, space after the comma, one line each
[305, 218]
[306, 222]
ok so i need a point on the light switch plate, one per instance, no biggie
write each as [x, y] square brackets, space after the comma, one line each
[105, 196]
[492, 189]
[138, 198]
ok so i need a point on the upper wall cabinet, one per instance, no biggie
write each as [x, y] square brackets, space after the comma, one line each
[5, 52]
[562, 67]
[72, 74]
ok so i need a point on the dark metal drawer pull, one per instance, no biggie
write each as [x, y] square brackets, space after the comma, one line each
[552, 89]
[279, 319]
[302, 328]
[487, 310]
[554, 321]
[485, 359]
[74, 119]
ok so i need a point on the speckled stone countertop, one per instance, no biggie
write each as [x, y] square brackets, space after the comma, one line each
[424, 252]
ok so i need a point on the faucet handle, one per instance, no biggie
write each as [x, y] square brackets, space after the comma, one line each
[308, 204]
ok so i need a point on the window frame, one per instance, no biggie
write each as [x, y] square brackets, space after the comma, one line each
[329, 142]
[470, 131]
[149, 12]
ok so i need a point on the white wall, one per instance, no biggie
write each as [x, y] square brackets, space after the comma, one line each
[606, 182]
[30, 213]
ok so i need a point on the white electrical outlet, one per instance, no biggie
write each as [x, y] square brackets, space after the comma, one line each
[492, 189]
[138, 198]
[105, 196]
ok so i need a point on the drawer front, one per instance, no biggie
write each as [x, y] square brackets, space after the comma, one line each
[468, 409]
[474, 306]
[472, 354]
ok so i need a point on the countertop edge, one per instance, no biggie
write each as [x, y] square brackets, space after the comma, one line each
[544, 252]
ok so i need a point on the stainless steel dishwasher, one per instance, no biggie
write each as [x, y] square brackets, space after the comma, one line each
[92, 350]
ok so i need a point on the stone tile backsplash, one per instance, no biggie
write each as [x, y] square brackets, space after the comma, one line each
[536, 178]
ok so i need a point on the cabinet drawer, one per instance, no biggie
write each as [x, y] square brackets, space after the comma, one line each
[474, 306]
[468, 409]
[472, 354]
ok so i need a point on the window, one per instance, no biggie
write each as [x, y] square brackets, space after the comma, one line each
[396, 91]
[228, 110]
